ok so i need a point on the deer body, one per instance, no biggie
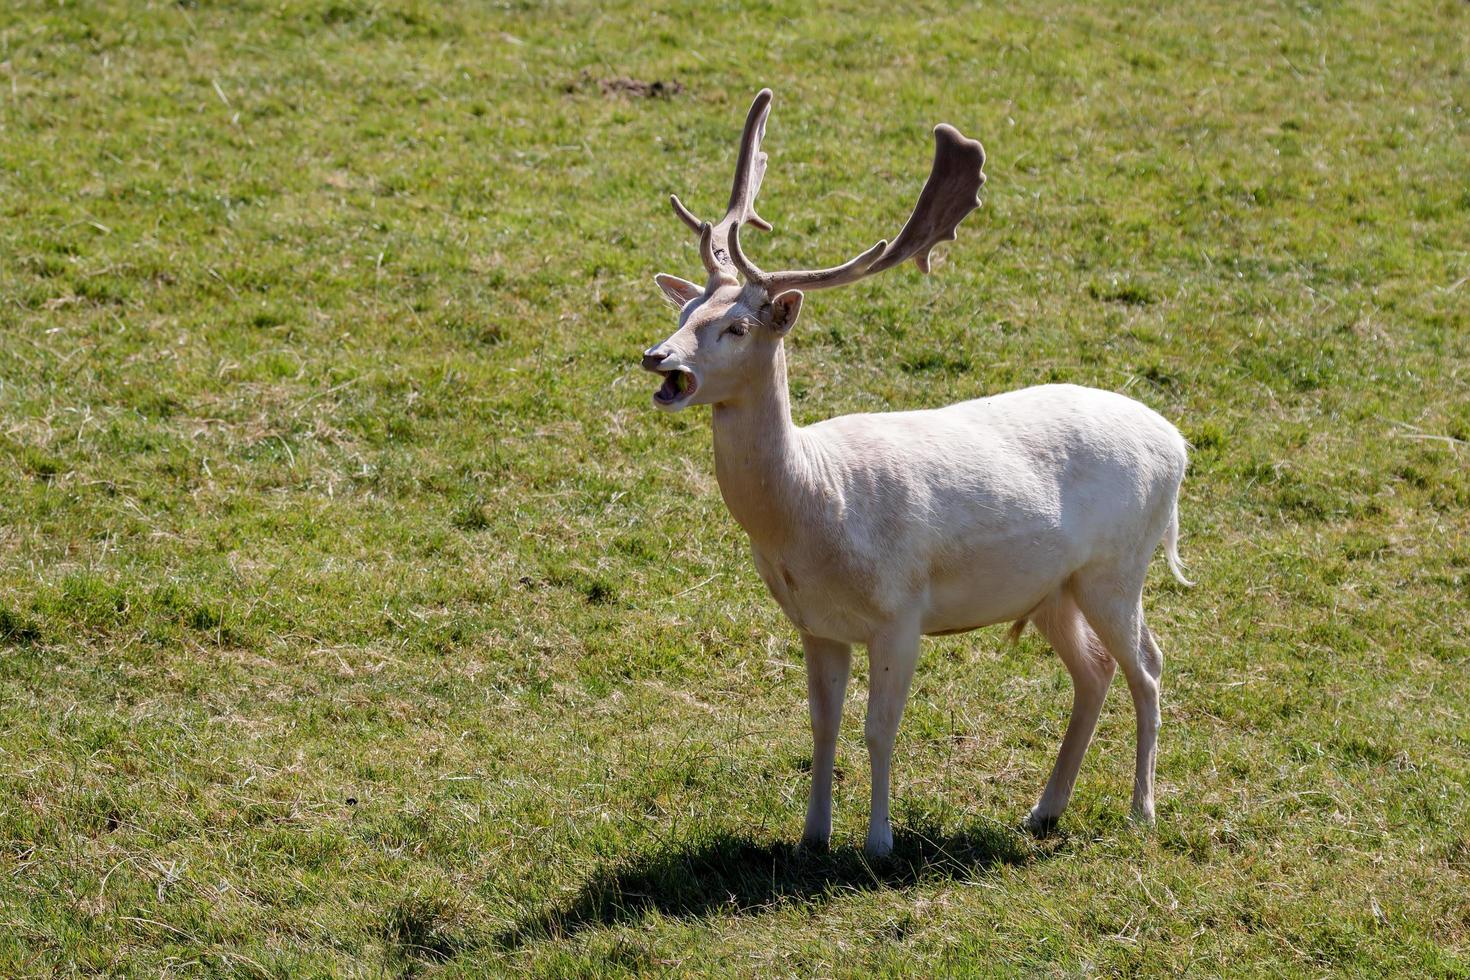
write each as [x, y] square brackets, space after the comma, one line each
[963, 517]
[1043, 505]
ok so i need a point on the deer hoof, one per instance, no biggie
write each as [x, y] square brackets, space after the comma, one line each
[1041, 824]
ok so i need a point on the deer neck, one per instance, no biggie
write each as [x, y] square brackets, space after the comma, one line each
[762, 462]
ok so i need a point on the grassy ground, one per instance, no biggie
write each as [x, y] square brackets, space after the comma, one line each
[358, 615]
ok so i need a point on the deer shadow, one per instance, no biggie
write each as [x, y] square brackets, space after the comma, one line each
[728, 873]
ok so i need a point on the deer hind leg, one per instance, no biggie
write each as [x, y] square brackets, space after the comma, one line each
[1113, 605]
[1091, 668]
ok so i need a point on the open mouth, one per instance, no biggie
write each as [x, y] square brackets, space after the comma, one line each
[678, 385]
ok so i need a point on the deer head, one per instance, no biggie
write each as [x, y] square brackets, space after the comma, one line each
[730, 327]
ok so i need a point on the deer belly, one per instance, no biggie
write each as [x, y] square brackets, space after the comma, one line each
[957, 604]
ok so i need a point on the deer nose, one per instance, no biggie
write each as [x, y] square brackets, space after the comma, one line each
[653, 358]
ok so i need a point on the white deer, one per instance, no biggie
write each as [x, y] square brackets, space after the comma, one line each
[1043, 505]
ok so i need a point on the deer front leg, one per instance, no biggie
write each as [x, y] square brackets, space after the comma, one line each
[892, 655]
[827, 666]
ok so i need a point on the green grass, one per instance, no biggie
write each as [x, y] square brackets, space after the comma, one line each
[358, 614]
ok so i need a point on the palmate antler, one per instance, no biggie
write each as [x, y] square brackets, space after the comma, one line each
[949, 195]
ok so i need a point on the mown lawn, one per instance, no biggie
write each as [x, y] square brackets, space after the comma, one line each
[358, 614]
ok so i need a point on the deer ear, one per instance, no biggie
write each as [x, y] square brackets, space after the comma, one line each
[784, 310]
[679, 291]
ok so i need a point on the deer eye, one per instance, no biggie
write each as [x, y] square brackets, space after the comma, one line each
[739, 328]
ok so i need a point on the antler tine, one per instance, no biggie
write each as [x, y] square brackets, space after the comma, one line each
[949, 195]
[746, 267]
[750, 168]
[685, 215]
[707, 250]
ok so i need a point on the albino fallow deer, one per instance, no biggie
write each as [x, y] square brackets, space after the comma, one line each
[1043, 505]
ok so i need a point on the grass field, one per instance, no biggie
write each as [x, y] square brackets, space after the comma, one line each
[358, 614]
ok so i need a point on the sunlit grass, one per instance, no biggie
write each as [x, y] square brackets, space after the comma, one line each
[358, 614]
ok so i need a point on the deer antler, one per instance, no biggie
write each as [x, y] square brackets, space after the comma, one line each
[750, 167]
[950, 193]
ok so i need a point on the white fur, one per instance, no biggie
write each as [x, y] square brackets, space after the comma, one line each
[1042, 505]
